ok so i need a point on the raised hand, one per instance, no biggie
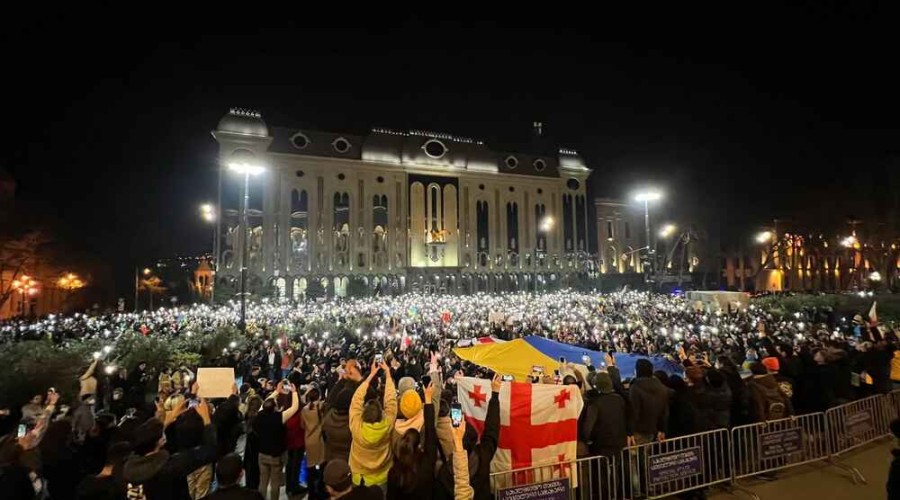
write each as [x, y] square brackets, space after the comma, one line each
[496, 382]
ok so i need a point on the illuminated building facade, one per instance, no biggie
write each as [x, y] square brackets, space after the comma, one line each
[392, 211]
[862, 258]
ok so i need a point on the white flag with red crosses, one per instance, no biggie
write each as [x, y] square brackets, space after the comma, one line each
[538, 425]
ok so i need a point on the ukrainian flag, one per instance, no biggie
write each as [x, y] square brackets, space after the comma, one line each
[519, 357]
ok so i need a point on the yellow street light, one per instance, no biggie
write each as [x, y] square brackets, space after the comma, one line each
[208, 212]
[667, 230]
[764, 237]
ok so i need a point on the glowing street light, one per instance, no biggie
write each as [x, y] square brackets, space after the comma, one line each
[849, 241]
[667, 230]
[764, 237]
[208, 212]
[25, 285]
[646, 197]
[875, 276]
[547, 224]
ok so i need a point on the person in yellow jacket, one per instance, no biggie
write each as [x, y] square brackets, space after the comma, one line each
[895, 370]
[371, 424]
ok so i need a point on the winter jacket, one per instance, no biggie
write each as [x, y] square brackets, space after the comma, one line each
[895, 367]
[423, 484]
[312, 426]
[713, 406]
[162, 476]
[683, 417]
[271, 433]
[649, 405]
[764, 393]
[604, 425]
[370, 451]
[336, 434]
[478, 461]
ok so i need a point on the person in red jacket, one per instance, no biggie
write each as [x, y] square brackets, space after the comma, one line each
[295, 443]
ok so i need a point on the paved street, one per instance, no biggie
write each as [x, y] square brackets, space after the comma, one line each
[823, 481]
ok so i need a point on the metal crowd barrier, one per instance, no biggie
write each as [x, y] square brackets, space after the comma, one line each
[677, 465]
[893, 401]
[673, 466]
[587, 478]
[858, 423]
[778, 444]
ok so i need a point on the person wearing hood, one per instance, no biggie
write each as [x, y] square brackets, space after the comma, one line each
[712, 399]
[154, 473]
[767, 401]
[371, 426]
[604, 425]
[649, 405]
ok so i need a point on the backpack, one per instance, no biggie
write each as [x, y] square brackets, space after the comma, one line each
[774, 407]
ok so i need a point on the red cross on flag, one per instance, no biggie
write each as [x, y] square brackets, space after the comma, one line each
[538, 424]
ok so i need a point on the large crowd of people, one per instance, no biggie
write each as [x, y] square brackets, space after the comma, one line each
[351, 399]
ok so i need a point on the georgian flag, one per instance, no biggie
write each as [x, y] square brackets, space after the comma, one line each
[538, 427]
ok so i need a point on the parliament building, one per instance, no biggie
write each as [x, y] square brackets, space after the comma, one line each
[391, 211]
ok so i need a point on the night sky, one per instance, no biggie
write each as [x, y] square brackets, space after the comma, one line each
[740, 117]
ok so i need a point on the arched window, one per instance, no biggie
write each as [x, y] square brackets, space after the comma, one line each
[299, 230]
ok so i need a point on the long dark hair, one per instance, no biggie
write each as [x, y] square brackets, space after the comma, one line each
[407, 456]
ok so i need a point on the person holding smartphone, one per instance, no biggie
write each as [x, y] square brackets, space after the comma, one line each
[371, 423]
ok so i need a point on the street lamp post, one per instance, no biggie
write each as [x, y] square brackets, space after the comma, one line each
[208, 212]
[137, 285]
[646, 197]
[26, 286]
[247, 168]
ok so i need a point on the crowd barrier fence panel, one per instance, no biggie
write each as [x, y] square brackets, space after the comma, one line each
[778, 444]
[893, 401]
[676, 465]
[857, 423]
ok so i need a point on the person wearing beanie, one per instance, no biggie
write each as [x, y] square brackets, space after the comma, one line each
[339, 483]
[785, 383]
[415, 456]
[371, 425]
[649, 405]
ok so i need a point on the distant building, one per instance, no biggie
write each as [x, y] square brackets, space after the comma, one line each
[389, 211]
[620, 236]
[681, 250]
[786, 257]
